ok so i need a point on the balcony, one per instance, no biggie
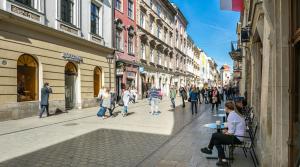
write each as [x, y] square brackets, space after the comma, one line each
[236, 52]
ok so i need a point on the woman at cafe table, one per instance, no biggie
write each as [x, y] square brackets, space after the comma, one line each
[236, 127]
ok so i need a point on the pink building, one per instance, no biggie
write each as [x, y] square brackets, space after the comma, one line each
[125, 44]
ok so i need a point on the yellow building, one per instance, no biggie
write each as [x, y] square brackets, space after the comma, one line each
[32, 54]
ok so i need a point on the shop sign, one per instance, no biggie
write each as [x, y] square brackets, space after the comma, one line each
[119, 71]
[131, 75]
[71, 57]
[141, 69]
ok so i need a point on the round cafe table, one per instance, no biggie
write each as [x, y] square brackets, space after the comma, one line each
[213, 126]
[221, 115]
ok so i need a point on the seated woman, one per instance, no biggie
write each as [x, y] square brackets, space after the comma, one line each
[236, 127]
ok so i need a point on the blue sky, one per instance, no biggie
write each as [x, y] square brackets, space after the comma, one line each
[211, 29]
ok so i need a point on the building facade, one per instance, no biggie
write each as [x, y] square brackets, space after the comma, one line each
[225, 75]
[125, 43]
[271, 55]
[69, 50]
[155, 45]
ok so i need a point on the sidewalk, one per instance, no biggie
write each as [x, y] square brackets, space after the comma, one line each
[20, 137]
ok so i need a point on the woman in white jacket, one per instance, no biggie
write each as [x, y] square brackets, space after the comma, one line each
[126, 98]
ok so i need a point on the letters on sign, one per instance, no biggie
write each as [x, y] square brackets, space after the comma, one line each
[71, 57]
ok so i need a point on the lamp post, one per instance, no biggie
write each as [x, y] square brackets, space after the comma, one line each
[110, 59]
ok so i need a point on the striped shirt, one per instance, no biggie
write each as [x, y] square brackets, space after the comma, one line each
[154, 93]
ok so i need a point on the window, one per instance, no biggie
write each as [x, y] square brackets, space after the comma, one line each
[151, 25]
[143, 51]
[94, 19]
[165, 36]
[166, 63]
[67, 11]
[27, 79]
[142, 19]
[158, 31]
[152, 55]
[119, 39]
[119, 5]
[26, 2]
[159, 57]
[130, 44]
[151, 4]
[97, 81]
[130, 9]
[158, 10]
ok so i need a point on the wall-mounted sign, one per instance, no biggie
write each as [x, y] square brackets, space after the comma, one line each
[141, 69]
[71, 57]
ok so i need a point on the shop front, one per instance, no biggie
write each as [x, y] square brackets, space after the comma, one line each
[74, 68]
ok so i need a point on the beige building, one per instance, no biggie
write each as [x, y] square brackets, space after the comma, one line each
[271, 78]
[69, 51]
[155, 44]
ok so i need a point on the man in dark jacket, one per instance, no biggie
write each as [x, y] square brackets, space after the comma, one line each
[183, 95]
[45, 92]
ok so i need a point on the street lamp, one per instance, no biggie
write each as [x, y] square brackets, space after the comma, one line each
[110, 59]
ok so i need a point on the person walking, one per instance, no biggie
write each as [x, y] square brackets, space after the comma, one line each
[215, 99]
[45, 92]
[183, 95]
[173, 95]
[106, 104]
[154, 99]
[126, 97]
[194, 99]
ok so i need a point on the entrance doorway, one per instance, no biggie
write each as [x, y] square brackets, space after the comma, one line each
[70, 82]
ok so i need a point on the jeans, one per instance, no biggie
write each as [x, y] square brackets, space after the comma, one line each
[219, 139]
[101, 112]
[183, 103]
[194, 104]
[154, 105]
[213, 106]
[173, 102]
[43, 108]
[125, 110]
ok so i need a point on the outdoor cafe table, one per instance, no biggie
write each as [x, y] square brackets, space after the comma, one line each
[221, 115]
[213, 126]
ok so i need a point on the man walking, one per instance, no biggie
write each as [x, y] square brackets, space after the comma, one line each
[173, 95]
[45, 92]
[154, 99]
[183, 95]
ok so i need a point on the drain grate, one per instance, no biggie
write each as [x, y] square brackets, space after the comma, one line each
[70, 124]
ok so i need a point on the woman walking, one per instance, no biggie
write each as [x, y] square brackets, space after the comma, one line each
[194, 99]
[215, 99]
[126, 97]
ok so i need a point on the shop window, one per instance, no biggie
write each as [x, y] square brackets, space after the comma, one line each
[27, 79]
[97, 80]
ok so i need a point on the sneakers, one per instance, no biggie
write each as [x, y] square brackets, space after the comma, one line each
[206, 150]
[222, 163]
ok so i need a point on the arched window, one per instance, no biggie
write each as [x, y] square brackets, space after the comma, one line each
[27, 79]
[97, 80]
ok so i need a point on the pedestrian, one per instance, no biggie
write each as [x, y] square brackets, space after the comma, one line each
[194, 99]
[220, 89]
[106, 104]
[215, 99]
[100, 95]
[232, 135]
[113, 98]
[45, 92]
[154, 99]
[126, 98]
[183, 95]
[172, 96]
[199, 95]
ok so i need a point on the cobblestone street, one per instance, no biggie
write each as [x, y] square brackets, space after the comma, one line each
[170, 139]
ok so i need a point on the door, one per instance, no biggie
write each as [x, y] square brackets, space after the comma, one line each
[70, 82]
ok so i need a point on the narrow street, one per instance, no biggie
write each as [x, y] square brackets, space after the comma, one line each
[80, 138]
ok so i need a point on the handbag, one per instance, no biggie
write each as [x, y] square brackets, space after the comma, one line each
[121, 102]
